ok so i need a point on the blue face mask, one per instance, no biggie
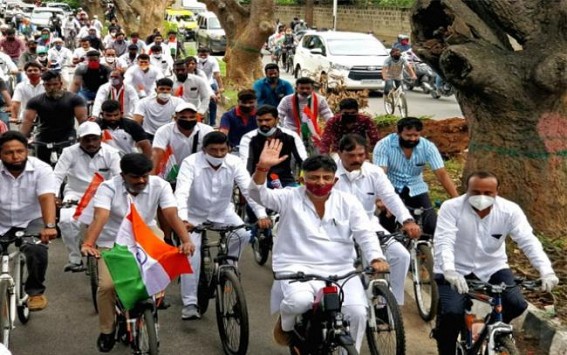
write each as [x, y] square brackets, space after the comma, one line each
[58, 46]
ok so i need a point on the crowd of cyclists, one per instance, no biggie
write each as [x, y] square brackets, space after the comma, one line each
[146, 116]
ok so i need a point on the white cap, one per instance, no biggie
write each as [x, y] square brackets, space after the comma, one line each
[88, 128]
[58, 39]
[185, 106]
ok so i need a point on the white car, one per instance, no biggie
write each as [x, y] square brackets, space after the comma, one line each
[353, 58]
[40, 16]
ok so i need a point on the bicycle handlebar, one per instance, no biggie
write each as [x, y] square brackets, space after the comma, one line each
[303, 277]
[217, 227]
[477, 285]
[53, 144]
[14, 234]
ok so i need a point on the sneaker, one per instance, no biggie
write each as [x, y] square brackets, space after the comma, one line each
[105, 342]
[281, 337]
[37, 303]
[190, 312]
[80, 267]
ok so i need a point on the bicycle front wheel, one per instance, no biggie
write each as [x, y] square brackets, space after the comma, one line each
[388, 337]
[5, 322]
[505, 346]
[389, 104]
[345, 350]
[261, 247]
[147, 333]
[22, 297]
[92, 270]
[205, 288]
[424, 286]
[403, 105]
[232, 314]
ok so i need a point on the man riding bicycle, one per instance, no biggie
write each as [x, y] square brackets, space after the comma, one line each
[322, 225]
[393, 70]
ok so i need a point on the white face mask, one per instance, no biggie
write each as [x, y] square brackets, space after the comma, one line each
[481, 202]
[202, 60]
[110, 59]
[163, 96]
[156, 56]
[353, 175]
[268, 133]
[214, 161]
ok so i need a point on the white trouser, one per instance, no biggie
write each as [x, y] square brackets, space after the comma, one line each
[237, 243]
[71, 233]
[399, 259]
[298, 297]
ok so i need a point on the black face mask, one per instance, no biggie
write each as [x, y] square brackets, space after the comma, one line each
[246, 109]
[187, 125]
[408, 144]
[181, 77]
[112, 124]
[272, 79]
[346, 119]
[396, 57]
[15, 168]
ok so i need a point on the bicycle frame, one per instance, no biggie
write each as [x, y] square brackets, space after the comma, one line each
[369, 295]
[131, 317]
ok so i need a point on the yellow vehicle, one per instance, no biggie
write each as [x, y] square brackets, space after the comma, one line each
[181, 21]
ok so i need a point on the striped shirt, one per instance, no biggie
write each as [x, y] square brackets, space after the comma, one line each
[402, 171]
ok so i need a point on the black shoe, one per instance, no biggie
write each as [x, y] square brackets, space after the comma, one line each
[80, 267]
[105, 342]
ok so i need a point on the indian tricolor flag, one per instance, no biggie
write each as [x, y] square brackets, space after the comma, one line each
[85, 210]
[106, 136]
[140, 264]
[167, 168]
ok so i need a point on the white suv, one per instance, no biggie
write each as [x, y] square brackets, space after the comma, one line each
[354, 58]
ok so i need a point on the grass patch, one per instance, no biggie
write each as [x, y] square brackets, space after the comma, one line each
[190, 49]
[390, 120]
[454, 168]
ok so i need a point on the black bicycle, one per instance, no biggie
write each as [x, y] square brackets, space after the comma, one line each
[55, 149]
[139, 327]
[264, 240]
[323, 329]
[220, 279]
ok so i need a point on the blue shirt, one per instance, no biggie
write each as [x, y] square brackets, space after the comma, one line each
[265, 95]
[402, 171]
[237, 125]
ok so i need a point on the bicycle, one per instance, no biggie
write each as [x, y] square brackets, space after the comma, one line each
[139, 327]
[263, 242]
[220, 278]
[323, 329]
[13, 297]
[489, 336]
[56, 149]
[385, 331]
[239, 202]
[396, 98]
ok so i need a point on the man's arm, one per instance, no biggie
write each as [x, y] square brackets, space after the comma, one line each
[76, 84]
[328, 136]
[81, 113]
[101, 216]
[146, 148]
[47, 205]
[218, 78]
[242, 179]
[27, 124]
[385, 73]
[156, 155]
[7, 98]
[324, 109]
[183, 187]
[15, 108]
[101, 96]
[446, 236]
[379, 155]
[171, 217]
[372, 132]
[204, 97]
[445, 180]
[62, 167]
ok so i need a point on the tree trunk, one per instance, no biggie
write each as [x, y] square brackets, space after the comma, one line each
[515, 102]
[140, 16]
[309, 8]
[246, 32]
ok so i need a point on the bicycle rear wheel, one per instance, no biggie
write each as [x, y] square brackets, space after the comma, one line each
[5, 323]
[388, 337]
[424, 286]
[505, 346]
[205, 288]
[345, 350]
[92, 270]
[261, 247]
[389, 103]
[232, 314]
[23, 310]
[147, 333]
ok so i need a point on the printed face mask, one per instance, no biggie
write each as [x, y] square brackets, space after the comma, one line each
[319, 191]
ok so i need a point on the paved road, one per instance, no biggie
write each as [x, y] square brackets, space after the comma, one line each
[69, 324]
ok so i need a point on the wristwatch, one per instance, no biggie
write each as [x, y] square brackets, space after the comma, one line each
[50, 225]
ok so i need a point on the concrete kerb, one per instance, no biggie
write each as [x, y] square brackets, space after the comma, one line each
[534, 323]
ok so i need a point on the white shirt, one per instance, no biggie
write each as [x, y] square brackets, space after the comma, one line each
[63, 56]
[155, 114]
[98, 25]
[204, 193]
[368, 184]
[24, 92]
[124, 61]
[164, 63]
[80, 52]
[79, 168]
[19, 204]
[108, 92]
[194, 90]
[311, 244]
[182, 145]
[469, 244]
[210, 66]
[84, 32]
[135, 76]
[112, 195]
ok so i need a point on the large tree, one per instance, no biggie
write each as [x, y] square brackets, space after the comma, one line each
[508, 60]
[247, 29]
[133, 15]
